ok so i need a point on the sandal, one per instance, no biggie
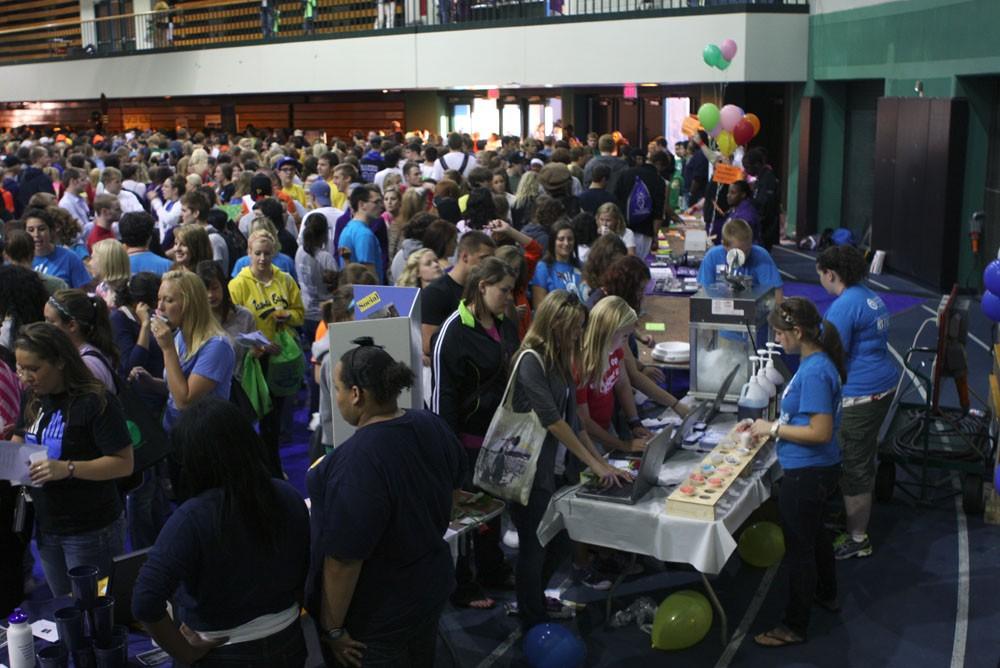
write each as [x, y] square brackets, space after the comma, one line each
[828, 604]
[472, 596]
[779, 636]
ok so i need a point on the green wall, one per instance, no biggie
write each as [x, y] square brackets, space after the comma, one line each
[424, 109]
[945, 44]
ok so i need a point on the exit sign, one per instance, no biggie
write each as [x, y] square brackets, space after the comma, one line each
[630, 92]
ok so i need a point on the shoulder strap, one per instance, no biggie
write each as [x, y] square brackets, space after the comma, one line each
[104, 360]
[465, 162]
[508, 396]
[444, 165]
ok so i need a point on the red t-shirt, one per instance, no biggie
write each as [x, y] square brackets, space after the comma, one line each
[600, 399]
[98, 233]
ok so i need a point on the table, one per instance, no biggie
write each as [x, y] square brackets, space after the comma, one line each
[470, 511]
[645, 528]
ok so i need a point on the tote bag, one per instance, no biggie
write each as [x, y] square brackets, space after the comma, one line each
[285, 370]
[509, 456]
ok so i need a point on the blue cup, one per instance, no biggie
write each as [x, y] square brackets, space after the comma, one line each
[84, 582]
[69, 624]
[111, 654]
[54, 656]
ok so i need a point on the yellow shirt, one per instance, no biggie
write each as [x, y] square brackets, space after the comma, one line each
[281, 293]
[338, 200]
[296, 192]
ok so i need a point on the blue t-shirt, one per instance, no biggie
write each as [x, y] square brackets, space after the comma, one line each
[814, 389]
[384, 497]
[363, 245]
[862, 320]
[281, 261]
[558, 276]
[147, 261]
[64, 264]
[215, 360]
[759, 265]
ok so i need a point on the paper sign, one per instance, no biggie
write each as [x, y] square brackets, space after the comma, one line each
[656, 327]
[690, 126]
[14, 461]
[727, 174]
[45, 630]
[725, 307]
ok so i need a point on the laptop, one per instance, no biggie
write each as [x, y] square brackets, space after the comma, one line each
[657, 450]
[124, 573]
[709, 411]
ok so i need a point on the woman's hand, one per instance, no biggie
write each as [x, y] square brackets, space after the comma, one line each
[647, 340]
[48, 470]
[639, 431]
[140, 376]
[761, 428]
[198, 645]
[160, 329]
[612, 477]
[636, 445]
[654, 373]
[143, 312]
[347, 650]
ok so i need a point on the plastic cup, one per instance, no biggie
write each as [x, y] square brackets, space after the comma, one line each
[84, 582]
[102, 619]
[69, 624]
[54, 656]
[111, 654]
[83, 657]
[36, 457]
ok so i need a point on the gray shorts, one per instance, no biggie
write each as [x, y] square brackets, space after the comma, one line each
[858, 438]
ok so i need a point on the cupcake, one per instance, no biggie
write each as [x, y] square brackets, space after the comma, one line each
[697, 479]
[715, 482]
[688, 490]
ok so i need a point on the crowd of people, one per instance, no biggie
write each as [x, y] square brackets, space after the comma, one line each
[198, 276]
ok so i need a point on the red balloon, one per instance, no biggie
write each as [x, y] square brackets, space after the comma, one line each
[755, 122]
[743, 132]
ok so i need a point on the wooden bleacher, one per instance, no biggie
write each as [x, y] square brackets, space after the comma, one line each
[60, 37]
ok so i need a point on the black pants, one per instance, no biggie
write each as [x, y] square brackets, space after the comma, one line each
[535, 564]
[808, 545]
[11, 551]
[485, 542]
[410, 647]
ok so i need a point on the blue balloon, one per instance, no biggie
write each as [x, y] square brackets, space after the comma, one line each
[991, 277]
[991, 306]
[996, 479]
[553, 646]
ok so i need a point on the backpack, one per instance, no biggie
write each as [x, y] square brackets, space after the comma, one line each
[235, 242]
[150, 444]
[639, 208]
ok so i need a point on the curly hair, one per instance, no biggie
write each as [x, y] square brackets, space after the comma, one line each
[22, 296]
[626, 278]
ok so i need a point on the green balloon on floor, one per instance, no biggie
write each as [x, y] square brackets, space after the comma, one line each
[681, 621]
[762, 544]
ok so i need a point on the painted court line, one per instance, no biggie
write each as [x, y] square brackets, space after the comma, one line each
[877, 284]
[514, 636]
[913, 378]
[794, 252]
[787, 275]
[748, 617]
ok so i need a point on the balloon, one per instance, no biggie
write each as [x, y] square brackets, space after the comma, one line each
[714, 132]
[728, 49]
[681, 621]
[743, 132]
[726, 143]
[991, 306]
[991, 277]
[729, 116]
[711, 54]
[996, 479]
[553, 646]
[723, 64]
[708, 116]
[762, 544]
[754, 121]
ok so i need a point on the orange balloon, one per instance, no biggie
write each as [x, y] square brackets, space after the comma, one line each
[754, 121]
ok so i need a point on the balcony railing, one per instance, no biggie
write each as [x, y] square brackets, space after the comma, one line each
[232, 22]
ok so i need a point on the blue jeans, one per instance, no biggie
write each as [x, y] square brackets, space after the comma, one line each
[147, 507]
[59, 553]
[412, 647]
[284, 649]
[808, 546]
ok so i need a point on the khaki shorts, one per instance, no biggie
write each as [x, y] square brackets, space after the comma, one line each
[858, 438]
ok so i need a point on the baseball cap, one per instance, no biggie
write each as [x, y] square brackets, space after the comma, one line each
[320, 191]
[288, 161]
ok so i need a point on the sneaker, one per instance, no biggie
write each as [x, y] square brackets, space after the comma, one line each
[510, 539]
[853, 548]
[589, 577]
[314, 422]
[618, 566]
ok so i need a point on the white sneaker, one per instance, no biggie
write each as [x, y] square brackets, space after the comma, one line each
[510, 539]
[314, 422]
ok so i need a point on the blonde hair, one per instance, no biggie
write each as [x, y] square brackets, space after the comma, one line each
[199, 323]
[528, 188]
[618, 227]
[610, 315]
[410, 278]
[110, 259]
[555, 323]
[195, 237]
[193, 182]
[261, 233]
[737, 230]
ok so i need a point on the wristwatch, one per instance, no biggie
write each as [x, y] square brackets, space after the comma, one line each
[71, 467]
[774, 429]
[634, 422]
[335, 634]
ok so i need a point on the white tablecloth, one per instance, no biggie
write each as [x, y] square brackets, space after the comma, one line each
[645, 528]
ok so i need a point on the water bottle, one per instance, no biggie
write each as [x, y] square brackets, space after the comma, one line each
[20, 643]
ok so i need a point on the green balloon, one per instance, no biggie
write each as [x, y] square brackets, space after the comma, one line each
[681, 621]
[762, 544]
[712, 54]
[708, 116]
[722, 64]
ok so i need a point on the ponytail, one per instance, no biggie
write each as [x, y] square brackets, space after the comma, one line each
[829, 341]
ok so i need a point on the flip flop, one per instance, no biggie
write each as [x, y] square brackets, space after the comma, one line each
[778, 637]
[472, 597]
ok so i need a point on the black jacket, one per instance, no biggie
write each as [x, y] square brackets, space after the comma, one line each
[470, 370]
[33, 180]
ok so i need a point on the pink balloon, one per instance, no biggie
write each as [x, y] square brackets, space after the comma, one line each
[728, 49]
[730, 116]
